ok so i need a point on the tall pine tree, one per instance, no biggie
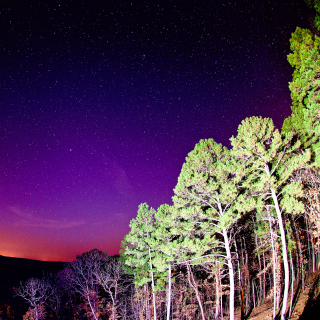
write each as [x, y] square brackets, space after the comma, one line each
[207, 186]
[267, 161]
[137, 251]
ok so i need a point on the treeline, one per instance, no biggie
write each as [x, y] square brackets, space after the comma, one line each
[243, 228]
[94, 286]
[240, 228]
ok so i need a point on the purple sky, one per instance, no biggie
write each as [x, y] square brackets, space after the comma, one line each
[101, 101]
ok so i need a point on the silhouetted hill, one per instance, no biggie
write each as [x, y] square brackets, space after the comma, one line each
[14, 270]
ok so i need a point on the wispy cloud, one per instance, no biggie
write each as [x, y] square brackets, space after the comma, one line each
[118, 177]
[29, 220]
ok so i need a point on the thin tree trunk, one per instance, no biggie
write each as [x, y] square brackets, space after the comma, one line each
[92, 309]
[292, 282]
[113, 305]
[217, 276]
[194, 286]
[284, 255]
[36, 314]
[313, 254]
[245, 260]
[264, 277]
[242, 303]
[231, 273]
[240, 281]
[260, 265]
[146, 301]
[153, 293]
[221, 301]
[253, 295]
[274, 271]
[115, 299]
[169, 294]
[278, 273]
[300, 254]
[308, 241]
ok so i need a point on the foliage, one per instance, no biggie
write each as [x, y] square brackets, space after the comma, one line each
[267, 161]
[315, 5]
[305, 85]
[35, 313]
[136, 251]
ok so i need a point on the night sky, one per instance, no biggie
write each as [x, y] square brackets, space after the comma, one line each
[101, 101]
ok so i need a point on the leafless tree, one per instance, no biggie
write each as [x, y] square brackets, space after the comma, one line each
[80, 278]
[35, 292]
[110, 276]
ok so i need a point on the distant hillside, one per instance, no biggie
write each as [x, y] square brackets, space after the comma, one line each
[14, 270]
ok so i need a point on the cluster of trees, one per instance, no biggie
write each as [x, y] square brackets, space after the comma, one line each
[243, 228]
[245, 223]
[94, 286]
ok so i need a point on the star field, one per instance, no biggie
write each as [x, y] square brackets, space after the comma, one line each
[101, 101]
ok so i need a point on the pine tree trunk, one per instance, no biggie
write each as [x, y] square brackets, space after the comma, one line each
[221, 301]
[193, 285]
[260, 267]
[231, 273]
[246, 274]
[240, 281]
[169, 293]
[292, 282]
[284, 255]
[153, 293]
[313, 254]
[274, 270]
[278, 272]
[253, 295]
[264, 277]
[242, 303]
[217, 277]
[146, 301]
[300, 254]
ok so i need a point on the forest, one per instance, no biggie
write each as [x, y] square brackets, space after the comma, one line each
[243, 228]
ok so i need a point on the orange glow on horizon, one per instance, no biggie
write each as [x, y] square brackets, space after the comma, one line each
[58, 253]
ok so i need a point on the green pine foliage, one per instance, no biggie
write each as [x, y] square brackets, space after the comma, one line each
[206, 183]
[136, 245]
[267, 160]
[305, 85]
[315, 5]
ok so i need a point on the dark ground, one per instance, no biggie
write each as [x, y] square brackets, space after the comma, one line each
[306, 305]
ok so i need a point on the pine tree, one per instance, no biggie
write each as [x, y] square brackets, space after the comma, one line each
[305, 93]
[207, 187]
[268, 160]
[163, 246]
[137, 251]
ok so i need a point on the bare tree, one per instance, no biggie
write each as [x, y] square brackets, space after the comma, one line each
[55, 302]
[79, 277]
[110, 276]
[36, 292]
